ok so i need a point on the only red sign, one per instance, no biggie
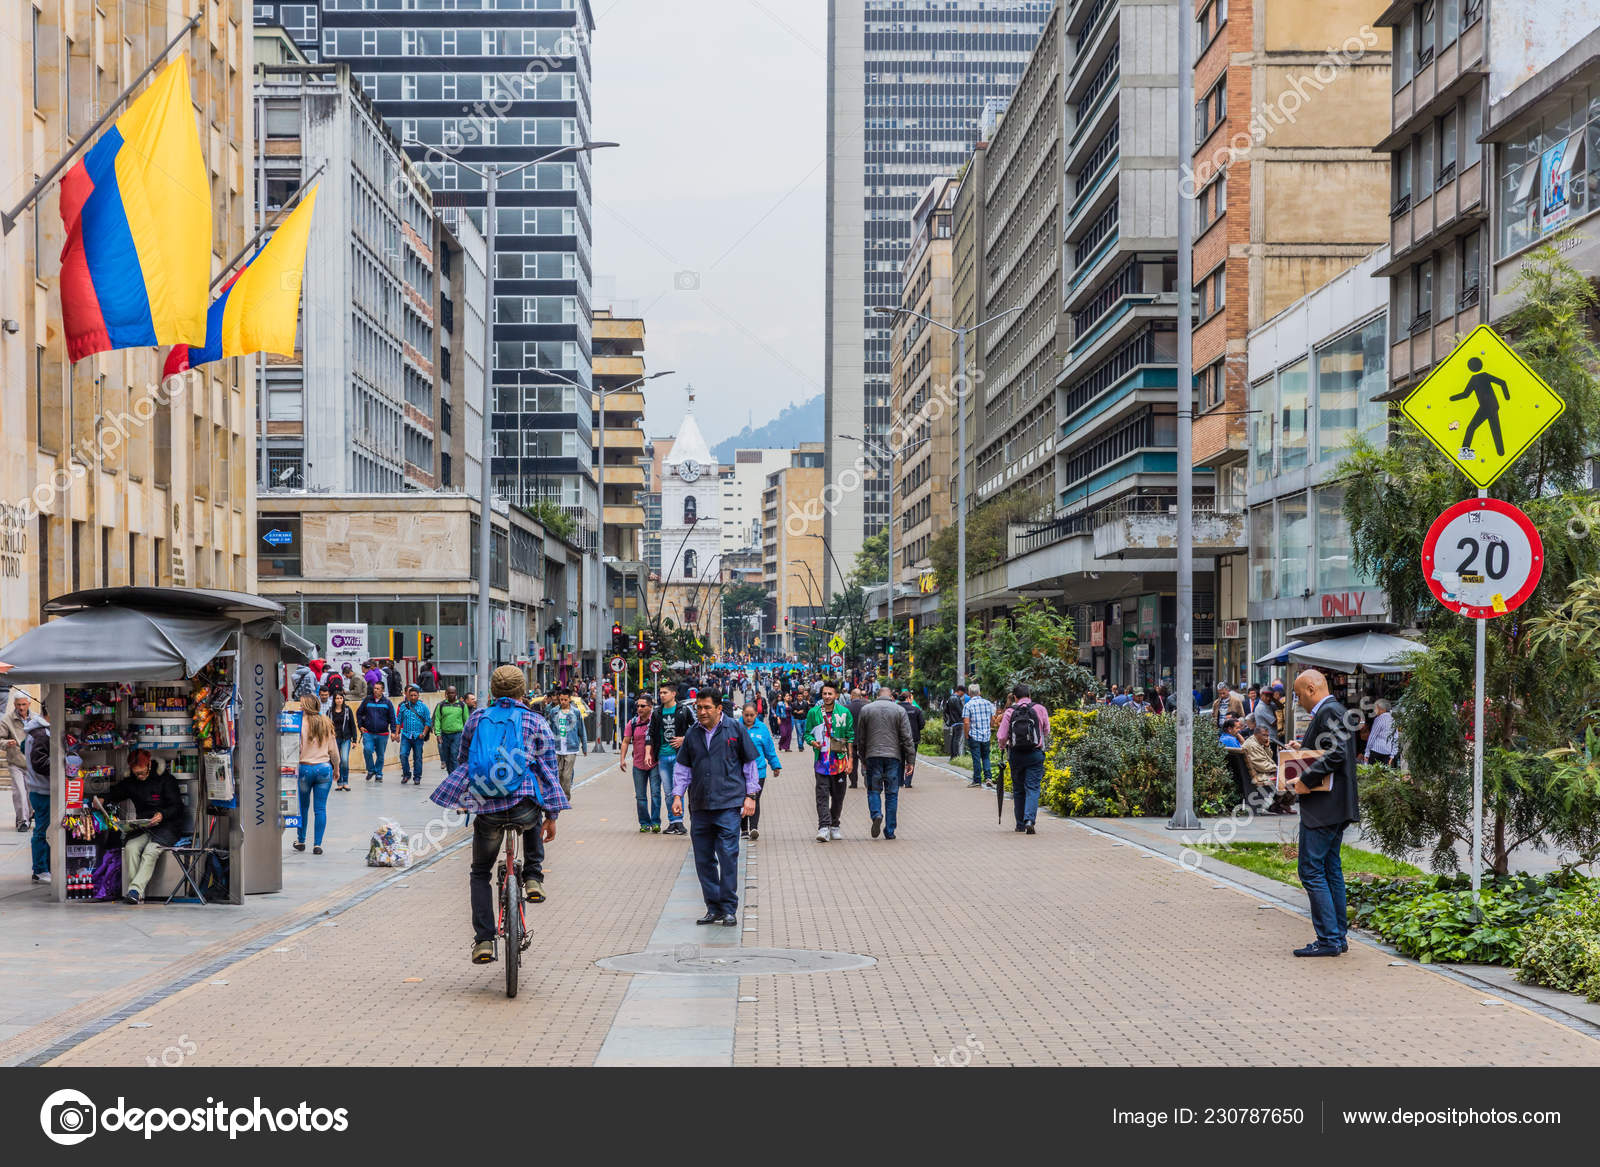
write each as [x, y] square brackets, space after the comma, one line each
[1482, 558]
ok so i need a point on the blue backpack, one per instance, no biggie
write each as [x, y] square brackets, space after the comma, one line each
[498, 762]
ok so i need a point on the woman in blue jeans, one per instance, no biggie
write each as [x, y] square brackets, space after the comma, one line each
[317, 748]
[344, 735]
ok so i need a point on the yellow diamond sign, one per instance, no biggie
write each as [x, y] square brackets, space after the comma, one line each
[1483, 406]
[837, 643]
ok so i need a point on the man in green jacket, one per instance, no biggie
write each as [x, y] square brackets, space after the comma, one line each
[449, 718]
[830, 730]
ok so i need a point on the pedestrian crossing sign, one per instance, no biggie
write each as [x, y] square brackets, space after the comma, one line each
[1483, 406]
[837, 643]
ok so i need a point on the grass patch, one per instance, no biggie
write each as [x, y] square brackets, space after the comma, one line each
[964, 762]
[1277, 861]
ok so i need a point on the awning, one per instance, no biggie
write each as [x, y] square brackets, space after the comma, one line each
[106, 644]
[1327, 631]
[1279, 655]
[1363, 652]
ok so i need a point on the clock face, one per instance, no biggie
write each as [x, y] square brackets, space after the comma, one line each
[689, 470]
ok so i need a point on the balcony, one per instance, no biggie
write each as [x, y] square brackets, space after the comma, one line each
[624, 407]
[618, 515]
[618, 366]
[1420, 222]
[1439, 81]
[1153, 534]
[622, 474]
[629, 441]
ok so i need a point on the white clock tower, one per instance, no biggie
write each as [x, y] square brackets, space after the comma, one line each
[691, 520]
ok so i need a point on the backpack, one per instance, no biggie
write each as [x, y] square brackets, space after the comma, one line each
[498, 762]
[305, 684]
[1024, 727]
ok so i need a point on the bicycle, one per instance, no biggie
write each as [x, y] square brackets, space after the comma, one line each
[512, 925]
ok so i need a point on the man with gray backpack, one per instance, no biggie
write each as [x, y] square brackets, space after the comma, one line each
[506, 778]
[1024, 733]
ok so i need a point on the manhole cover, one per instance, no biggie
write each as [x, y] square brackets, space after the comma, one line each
[693, 960]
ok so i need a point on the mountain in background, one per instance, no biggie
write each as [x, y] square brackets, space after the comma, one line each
[796, 424]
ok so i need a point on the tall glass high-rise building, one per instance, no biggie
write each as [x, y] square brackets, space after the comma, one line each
[908, 81]
[478, 81]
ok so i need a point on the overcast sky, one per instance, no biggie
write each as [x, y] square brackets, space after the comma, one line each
[709, 218]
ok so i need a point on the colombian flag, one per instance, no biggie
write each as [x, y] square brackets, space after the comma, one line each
[137, 208]
[258, 306]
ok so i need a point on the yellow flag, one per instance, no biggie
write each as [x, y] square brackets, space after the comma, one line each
[263, 303]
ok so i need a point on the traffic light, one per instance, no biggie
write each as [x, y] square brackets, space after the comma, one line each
[619, 642]
[427, 646]
[643, 643]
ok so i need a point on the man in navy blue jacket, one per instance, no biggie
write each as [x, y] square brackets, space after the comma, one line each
[716, 767]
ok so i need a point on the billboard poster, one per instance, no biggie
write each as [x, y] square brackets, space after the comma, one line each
[347, 642]
[1555, 182]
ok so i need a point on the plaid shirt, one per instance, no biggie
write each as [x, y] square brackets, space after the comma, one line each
[980, 712]
[541, 746]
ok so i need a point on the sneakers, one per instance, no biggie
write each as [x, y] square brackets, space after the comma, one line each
[754, 833]
[132, 895]
[974, 784]
[41, 877]
[655, 828]
[299, 844]
[822, 837]
[1028, 827]
[316, 850]
[674, 829]
[533, 890]
[644, 828]
[483, 952]
[22, 826]
[877, 825]
[833, 833]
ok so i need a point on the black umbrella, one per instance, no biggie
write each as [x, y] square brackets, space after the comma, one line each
[1000, 791]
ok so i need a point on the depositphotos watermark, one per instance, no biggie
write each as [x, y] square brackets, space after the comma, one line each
[70, 1117]
[1301, 89]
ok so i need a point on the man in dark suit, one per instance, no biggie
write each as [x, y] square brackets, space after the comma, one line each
[1328, 804]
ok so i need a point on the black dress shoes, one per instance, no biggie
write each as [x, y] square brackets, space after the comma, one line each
[710, 918]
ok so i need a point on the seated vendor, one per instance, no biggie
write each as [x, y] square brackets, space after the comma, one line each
[157, 800]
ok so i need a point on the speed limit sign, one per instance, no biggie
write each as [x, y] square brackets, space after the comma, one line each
[1482, 558]
[655, 666]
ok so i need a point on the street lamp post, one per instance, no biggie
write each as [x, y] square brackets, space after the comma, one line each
[491, 175]
[961, 469]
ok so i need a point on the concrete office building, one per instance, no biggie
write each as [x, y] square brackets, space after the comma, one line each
[1289, 101]
[923, 432]
[907, 86]
[792, 549]
[358, 407]
[107, 477]
[496, 81]
[1104, 550]
[742, 487]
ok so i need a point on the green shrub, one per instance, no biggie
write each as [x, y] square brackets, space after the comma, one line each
[1124, 763]
[1561, 945]
[933, 734]
[1435, 919]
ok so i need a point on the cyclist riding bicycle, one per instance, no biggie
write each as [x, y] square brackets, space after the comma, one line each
[507, 779]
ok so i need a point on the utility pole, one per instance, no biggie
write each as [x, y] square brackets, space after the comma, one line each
[1183, 816]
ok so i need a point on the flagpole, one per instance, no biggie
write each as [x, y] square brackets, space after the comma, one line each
[8, 219]
[288, 205]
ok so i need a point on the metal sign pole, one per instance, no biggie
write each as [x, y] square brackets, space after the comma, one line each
[1477, 755]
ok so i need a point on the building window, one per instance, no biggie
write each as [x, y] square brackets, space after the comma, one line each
[1446, 134]
[1402, 182]
[1263, 414]
[35, 58]
[1294, 545]
[1292, 403]
[1422, 295]
[1213, 385]
[690, 511]
[1211, 110]
[1335, 572]
[1351, 371]
[1261, 561]
[1471, 257]
[689, 564]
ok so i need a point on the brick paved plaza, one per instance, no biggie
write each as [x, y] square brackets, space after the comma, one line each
[1066, 948]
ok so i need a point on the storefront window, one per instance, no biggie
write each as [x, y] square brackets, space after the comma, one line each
[1262, 411]
[1292, 400]
[1545, 176]
[1334, 569]
[1294, 543]
[1261, 554]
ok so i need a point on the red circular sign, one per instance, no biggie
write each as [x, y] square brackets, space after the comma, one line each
[1482, 558]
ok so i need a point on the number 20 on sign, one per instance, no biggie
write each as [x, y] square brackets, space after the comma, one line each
[1482, 558]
